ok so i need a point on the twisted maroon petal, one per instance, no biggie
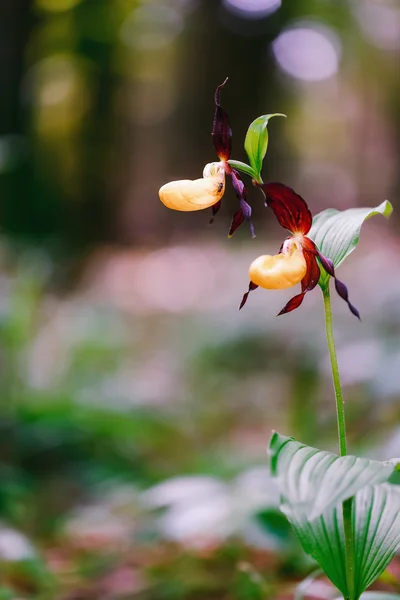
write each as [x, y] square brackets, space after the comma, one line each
[214, 209]
[252, 286]
[339, 285]
[244, 212]
[292, 304]
[221, 132]
[237, 220]
[290, 209]
[309, 281]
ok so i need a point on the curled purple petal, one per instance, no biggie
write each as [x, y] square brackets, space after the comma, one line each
[339, 285]
[245, 208]
[327, 264]
[343, 293]
[252, 286]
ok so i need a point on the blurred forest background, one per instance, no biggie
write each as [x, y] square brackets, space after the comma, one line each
[136, 401]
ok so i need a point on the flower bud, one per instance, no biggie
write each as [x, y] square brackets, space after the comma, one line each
[189, 195]
[278, 272]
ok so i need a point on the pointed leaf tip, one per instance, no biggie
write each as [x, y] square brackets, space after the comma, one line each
[337, 233]
[256, 141]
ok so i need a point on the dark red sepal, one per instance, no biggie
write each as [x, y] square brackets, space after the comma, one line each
[221, 132]
[310, 279]
[339, 285]
[252, 286]
[313, 273]
[237, 220]
[290, 209]
[214, 209]
[292, 304]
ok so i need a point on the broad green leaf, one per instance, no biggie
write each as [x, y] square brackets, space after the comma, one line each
[376, 509]
[376, 517]
[256, 141]
[323, 539]
[337, 232]
[313, 481]
[241, 166]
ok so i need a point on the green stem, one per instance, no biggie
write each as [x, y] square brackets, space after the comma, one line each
[347, 504]
[335, 372]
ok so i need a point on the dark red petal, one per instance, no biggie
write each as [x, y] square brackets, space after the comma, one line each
[292, 304]
[290, 209]
[237, 220]
[214, 209]
[313, 273]
[221, 132]
[310, 279]
[339, 285]
[252, 286]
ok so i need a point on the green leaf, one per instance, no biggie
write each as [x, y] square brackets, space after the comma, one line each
[256, 141]
[313, 481]
[337, 232]
[310, 480]
[376, 517]
[243, 167]
[323, 539]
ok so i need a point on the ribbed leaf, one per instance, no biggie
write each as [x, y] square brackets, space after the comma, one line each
[256, 141]
[313, 481]
[376, 517]
[309, 480]
[337, 233]
[323, 539]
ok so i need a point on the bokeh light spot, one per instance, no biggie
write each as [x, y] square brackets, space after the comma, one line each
[380, 24]
[151, 27]
[309, 52]
[252, 9]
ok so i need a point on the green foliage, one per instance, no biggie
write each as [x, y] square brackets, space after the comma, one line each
[314, 481]
[313, 484]
[337, 232]
[256, 142]
[243, 167]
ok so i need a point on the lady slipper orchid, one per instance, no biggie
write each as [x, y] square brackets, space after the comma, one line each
[298, 259]
[206, 192]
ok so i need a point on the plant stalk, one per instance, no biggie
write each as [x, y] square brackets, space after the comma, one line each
[347, 504]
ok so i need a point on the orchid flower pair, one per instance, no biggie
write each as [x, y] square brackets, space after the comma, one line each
[299, 260]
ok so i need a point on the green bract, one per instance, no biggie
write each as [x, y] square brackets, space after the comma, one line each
[241, 166]
[337, 232]
[313, 484]
[256, 142]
